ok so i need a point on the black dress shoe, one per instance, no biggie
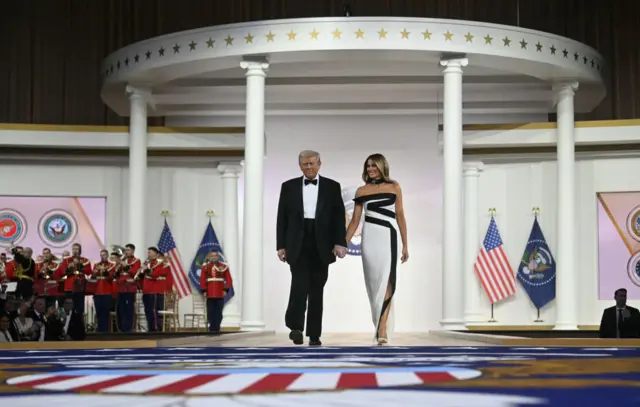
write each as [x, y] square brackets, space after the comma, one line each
[296, 337]
[315, 342]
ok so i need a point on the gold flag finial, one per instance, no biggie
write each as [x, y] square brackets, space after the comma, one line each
[165, 213]
[211, 213]
[492, 212]
[536, 211]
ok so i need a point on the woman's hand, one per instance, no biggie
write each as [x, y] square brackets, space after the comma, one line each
[405, 255]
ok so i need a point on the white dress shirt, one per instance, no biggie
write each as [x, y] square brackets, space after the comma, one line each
[310, 198]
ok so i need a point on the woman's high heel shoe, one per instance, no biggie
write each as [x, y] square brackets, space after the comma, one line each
[382, 341]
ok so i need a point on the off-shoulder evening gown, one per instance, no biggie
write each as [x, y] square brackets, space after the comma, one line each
[380, 248]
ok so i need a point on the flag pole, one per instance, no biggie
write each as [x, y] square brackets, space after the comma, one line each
[492, 212]
[536, 212]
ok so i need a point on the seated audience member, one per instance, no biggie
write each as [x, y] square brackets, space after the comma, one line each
[621, 320]
[24, 325]
[9, 308]
[72, 322]
[7, 333]
[45, 321]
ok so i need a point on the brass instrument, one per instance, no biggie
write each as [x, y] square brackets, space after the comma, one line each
[143, 269]
[118, 249]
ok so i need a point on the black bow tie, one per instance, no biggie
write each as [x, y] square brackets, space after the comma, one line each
[310, 181]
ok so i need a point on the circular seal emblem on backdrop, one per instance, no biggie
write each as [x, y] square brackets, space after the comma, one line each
[633, 223]
[57, 228]
[353, 247]
[13, 227]
[633, 269]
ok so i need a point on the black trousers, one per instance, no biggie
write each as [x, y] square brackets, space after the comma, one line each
[24, 288]
[214, 313]
[308, 278]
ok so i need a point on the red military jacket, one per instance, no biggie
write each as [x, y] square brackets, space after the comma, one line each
[10, 269]
[50, 269]
[104, 277]
[126, 275]
[155, 275]
[69, 280]
[215, 278]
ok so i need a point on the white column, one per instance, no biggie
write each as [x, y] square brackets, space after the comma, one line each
[137, 167]
[471, 299]
[230, 239]
[452, 230]
[566, 277]
[252, 261]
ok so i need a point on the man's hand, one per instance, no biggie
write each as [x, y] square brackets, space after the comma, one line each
[282, 255]
[339, 251]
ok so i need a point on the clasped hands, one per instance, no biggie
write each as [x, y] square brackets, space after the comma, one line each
[338, 251]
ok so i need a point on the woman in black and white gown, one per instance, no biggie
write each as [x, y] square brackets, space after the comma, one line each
[381, 200]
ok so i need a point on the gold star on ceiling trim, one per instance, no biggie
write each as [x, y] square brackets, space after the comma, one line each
[249, 38]
[488, 39]
[359, 34]
[468, 37]
[426, 34]
[405, 34]
[523, 44]
[506, 41]
[229, 40]
[448, 36]
[382, 33]
[270, 36]
[292, 35]
[336, 34]
[210, 42]
[314, 34]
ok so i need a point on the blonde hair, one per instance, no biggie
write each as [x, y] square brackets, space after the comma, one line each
[308, 154]
[381, 163]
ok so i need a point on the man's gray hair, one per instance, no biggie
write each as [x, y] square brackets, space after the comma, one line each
[308, 154]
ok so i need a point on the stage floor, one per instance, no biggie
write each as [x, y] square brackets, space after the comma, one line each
[259, 371]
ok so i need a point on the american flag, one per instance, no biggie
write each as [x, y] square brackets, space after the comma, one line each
[493, 268]
[167, 245]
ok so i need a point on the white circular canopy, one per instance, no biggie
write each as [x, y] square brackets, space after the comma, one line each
[197, 72]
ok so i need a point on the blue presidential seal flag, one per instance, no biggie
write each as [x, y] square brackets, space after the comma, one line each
[13, 227]
[353, 247]
[208, 243]
[537, 269]
[57, 228]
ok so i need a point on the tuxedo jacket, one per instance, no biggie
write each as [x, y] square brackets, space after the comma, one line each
[76, 329]
[330, 220]
[629, 327]
[52, 326]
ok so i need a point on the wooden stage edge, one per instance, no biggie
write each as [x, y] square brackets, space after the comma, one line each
[184, 341]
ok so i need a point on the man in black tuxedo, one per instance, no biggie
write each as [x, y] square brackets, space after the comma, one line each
[620, 321]
[310, 234]
[72, 322]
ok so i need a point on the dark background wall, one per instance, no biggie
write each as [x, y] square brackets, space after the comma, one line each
[50, 50]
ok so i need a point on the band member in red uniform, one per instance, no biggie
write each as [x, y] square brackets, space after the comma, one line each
[215, 282]
[46, 273]
[153, 275]
[126, 298]
[103, 272]
[24, 271]
[73, 272]
[163, 286]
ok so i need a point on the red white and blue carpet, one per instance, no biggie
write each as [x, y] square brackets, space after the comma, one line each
[327, 376]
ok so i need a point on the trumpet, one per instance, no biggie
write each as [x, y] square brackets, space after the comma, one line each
[143, 269]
